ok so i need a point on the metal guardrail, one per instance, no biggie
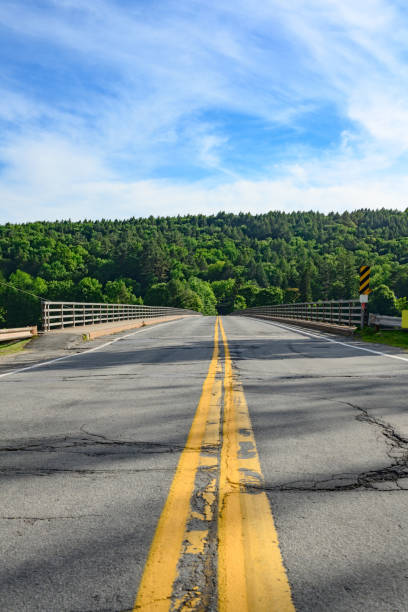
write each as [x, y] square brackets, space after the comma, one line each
[376, 320]
[17, 333]
[73, 314]
[339, 312]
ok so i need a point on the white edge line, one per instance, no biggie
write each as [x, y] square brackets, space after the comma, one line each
[352, 346]
[95, 348]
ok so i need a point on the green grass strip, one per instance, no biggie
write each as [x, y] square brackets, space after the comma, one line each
[13, 347]
[392, 337]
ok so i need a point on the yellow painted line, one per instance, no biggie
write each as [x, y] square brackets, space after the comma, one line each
[161, 567]
[195, 542]
[251, 574]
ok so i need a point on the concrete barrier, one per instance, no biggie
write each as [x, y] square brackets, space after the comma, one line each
[107, 331]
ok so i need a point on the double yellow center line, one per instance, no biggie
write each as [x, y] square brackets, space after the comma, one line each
[215, 545]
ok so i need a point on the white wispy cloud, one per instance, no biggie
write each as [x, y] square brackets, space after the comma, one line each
[127, 90]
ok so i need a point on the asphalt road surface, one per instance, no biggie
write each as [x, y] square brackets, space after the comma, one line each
[198, 466]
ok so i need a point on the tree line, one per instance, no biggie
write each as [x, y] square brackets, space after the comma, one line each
[210, 264]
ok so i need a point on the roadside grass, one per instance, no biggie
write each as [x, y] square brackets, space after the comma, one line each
[392, 337]
[7, 348]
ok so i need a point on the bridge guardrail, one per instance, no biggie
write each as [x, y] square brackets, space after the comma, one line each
[376, 320]
[17, 333]
[337, 312]
[77, 314]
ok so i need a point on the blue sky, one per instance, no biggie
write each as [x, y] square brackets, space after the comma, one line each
[119, 108]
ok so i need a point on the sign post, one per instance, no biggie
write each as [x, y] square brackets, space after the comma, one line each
[364, 290]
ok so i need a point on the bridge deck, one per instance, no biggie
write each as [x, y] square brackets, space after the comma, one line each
[93, 447]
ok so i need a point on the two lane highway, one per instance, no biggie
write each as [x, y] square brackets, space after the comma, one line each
[131, 474]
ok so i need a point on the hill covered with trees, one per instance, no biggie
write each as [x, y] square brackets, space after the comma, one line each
[207, 263]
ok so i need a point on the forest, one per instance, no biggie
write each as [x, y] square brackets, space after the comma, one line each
[207, 263]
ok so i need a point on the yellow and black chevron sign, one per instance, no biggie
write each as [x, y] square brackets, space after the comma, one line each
[364, 280]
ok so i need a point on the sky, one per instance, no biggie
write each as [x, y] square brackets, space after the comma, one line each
[122, 108]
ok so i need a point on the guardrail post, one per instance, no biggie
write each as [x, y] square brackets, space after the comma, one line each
[44, 315]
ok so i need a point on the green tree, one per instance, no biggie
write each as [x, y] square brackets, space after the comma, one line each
[217, 270]
[305, 284]
[89, 290]
[260, 276]
[190, 300]
[269, 296]
[182, 296]
[158, 295]
[249, 291]
[63, 291]
[400, 281]
[401, 304]
[291, 295]
[239, 302]
[21, 299]
[116, 292]
[382, 301]
[206, 294]
[225, 291]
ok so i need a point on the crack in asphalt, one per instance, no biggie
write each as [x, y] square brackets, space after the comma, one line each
[79, 472]
[89, 446]
[130, 377]
[344, 482]
[395, 439]
[67, 442]
[33, 519]
[107, 609]
[329, 376]
[384, 479]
